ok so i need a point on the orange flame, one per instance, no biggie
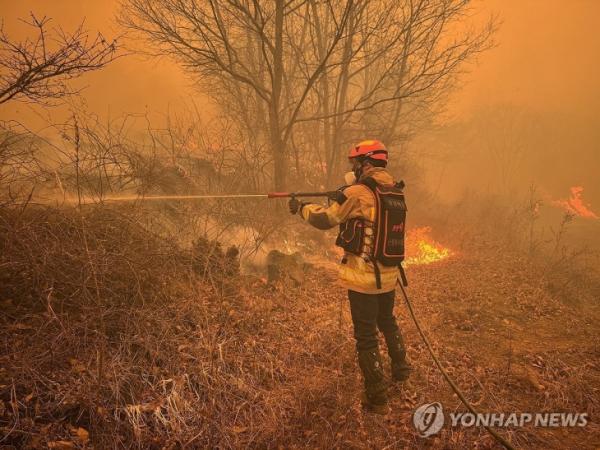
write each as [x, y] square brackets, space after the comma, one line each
[422, 249]
[575, 204]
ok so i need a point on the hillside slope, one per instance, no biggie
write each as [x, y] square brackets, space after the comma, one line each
[238, 363]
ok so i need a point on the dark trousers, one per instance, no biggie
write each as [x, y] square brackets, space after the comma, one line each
[370, 312]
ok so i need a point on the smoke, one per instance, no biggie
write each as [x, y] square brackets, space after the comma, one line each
[544, 69]
[544, 64]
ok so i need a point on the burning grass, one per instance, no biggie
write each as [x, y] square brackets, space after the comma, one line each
[575, 204]
[422, 248]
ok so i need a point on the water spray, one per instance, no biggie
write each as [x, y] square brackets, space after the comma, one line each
[134, 198]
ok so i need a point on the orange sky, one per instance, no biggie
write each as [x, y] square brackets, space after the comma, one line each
[547, 57]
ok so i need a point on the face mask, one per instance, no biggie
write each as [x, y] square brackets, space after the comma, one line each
[349, 178]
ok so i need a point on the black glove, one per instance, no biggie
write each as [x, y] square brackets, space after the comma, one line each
[295, 205]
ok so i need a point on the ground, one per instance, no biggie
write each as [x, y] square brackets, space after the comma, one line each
[509, 344]
[274, 367]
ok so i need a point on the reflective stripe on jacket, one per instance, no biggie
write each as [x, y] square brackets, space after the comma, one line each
[356, 274]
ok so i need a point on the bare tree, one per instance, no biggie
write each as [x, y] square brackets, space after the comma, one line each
[38, 69]
[503, 134]
[306, 74]
[393, 70]
[245, 47]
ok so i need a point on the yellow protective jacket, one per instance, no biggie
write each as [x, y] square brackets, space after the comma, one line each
[355, 274]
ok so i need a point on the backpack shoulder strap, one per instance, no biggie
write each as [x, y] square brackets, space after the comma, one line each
[370, 183]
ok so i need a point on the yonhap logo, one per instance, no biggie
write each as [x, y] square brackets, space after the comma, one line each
[428, 419]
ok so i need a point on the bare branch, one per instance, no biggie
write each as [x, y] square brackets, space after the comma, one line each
[38, 70]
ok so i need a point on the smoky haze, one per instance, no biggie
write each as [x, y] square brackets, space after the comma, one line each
[132, 84]
[187, 258]
[543, 69]
[545, 65]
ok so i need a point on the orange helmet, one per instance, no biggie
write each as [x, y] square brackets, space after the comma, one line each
[369, 149]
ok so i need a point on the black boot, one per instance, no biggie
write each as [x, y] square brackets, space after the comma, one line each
[395, 344]
[375, 396]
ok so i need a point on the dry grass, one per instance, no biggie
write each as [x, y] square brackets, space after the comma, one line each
[112, 330]
[115, 338]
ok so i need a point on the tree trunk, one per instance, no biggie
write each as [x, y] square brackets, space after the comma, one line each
[320, 29]
[277, 145]
[337, 152]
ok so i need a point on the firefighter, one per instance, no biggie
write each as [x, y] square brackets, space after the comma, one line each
[371, 286]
